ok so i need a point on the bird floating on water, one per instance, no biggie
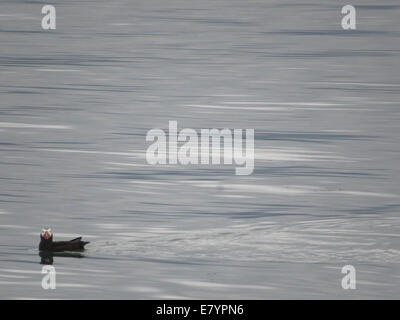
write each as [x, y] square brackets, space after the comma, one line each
[47, 243]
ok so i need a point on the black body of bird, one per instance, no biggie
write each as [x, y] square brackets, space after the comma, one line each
[47, 243]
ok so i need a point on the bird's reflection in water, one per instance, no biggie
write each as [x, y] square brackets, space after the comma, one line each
[48, 257]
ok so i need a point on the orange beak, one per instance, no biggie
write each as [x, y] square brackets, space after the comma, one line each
[46, 235]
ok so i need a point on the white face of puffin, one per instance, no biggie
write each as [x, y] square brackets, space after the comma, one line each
[46, 233]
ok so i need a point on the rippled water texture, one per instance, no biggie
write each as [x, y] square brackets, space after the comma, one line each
[76, 104]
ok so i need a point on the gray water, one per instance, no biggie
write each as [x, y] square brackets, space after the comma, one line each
[76, 104]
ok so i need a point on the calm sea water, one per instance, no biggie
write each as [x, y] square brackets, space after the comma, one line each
[76, 104]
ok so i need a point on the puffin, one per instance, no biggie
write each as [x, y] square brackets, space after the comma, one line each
[48, 245]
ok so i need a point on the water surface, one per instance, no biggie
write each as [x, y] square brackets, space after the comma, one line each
[76, 104]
